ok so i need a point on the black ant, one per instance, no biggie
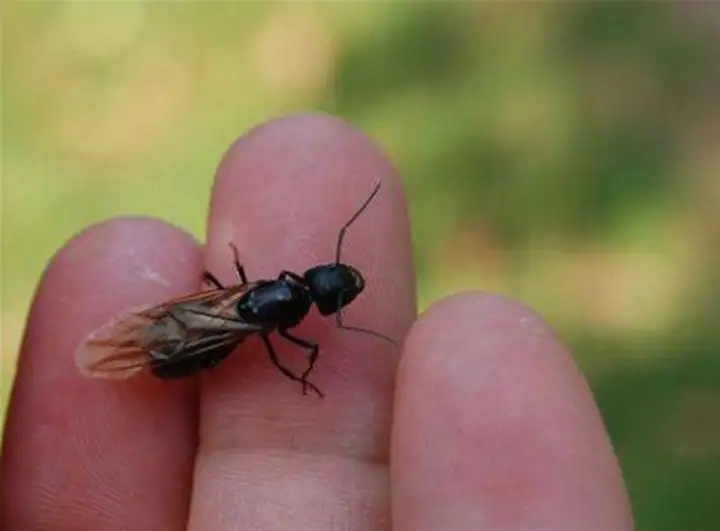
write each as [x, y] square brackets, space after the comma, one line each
[186, 335]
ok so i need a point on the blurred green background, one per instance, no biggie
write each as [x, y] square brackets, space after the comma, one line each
[566, 155]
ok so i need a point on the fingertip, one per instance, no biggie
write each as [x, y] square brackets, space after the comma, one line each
[472, 325]
[465, 314]
[305, 172]
[282, 193]
[492, 410]
[303, 138]
[133, 259]
[122, 243]
[67, 436]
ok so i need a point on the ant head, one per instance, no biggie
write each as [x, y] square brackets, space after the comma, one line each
[333, 286]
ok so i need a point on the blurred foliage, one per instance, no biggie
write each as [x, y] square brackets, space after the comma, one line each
[566, 155]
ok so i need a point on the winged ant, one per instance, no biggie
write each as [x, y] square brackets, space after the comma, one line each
[186, 335]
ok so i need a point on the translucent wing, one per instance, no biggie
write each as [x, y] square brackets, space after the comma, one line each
[177, 329]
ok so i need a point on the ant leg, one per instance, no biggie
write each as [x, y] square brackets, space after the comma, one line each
[312, 348]
[238, 267]
[287, 372]
[211, 279]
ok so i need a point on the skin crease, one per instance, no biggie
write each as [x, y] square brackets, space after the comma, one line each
[486, 423]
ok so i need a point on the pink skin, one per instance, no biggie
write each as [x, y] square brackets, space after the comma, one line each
[493, 426]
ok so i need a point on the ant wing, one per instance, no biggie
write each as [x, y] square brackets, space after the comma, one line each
[177, 329]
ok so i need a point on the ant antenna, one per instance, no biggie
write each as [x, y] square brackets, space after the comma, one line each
[339, 323]
[341, 234]
[365, 330]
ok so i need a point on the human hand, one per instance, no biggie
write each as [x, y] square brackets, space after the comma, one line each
[485, 424]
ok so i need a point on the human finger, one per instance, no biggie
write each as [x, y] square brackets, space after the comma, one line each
[271, 457]
[496, 429]
[97, 454]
